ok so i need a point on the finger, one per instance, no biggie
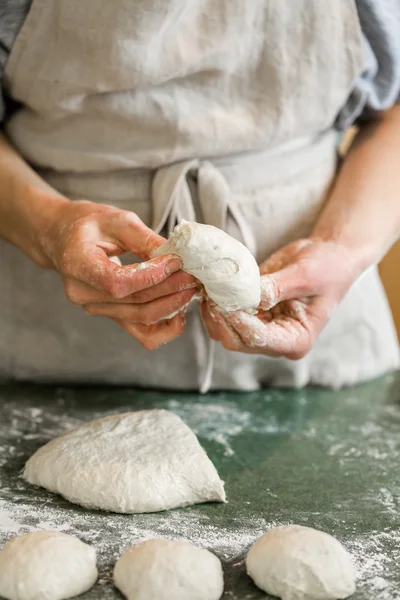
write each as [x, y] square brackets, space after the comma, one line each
[177, 282]
[279, 259]
[281, 337]
[293, 281]
[149, 313]
[222, 331]
[153, 336]
[82, 293]
[208, 321]
[132, 234]
[92, 266]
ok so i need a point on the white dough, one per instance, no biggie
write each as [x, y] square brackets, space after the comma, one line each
[46, 565]
[169, 570]
[136, 462]
[300, 563]
[226, 268]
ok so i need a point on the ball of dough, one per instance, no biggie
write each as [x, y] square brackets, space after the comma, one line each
[46, 565]
[165, 569]
[226, 268]
[300, 563]
[137, 462]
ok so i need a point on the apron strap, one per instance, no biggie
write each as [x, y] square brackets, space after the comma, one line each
[216, 203]
[172, 201]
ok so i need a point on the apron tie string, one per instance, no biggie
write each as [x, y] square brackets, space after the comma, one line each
[173, 201]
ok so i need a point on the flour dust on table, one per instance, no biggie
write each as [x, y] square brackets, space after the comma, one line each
[46, 565]
[165, 569]
[226, 268]
[138, 462]
[294, 562]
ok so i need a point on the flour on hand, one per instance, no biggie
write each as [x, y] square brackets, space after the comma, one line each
[300, 563]
[46, 565]
[165, 569]
[226, 268]
[136, 462]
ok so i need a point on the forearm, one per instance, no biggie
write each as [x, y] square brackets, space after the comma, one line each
[28, 205]
[363, 211]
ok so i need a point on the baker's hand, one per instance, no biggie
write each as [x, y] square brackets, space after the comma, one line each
[80, 245]
[302, 284]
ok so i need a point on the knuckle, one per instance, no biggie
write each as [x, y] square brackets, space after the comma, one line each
[112, 288]
[131, 218]
[299, 352]
[228, 345]
[295, 356]
[149, 344]
[66, 264]
[71, 292]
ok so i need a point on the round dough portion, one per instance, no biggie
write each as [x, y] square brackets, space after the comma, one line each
[226, 268]
[300, 563]
[46, 565]
[165, 569]
[144, 461]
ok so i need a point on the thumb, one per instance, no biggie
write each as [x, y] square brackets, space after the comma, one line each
[131, 233]
[288, 283]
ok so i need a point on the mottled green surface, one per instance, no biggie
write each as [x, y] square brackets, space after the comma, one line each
[324, 459]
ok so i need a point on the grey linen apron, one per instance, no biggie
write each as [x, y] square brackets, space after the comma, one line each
[216, 110]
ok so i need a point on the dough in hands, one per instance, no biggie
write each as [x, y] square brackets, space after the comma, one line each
[166, 570]
[136, 462]
[300, 563]
[46, 565]
[226, 268]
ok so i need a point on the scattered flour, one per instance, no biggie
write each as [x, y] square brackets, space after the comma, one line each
[221, 423]
[372, 447]
[375, 557]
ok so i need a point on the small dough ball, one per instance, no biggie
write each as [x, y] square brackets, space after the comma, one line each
[165, 569]
[46, 565]
[226, 268]
[300, 563]
[144, 461]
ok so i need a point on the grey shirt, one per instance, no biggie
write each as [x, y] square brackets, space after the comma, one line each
[377, 89]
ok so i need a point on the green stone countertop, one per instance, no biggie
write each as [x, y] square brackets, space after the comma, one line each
[325, 459]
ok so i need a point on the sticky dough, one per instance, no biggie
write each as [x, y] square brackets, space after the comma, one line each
[166, 570]
[46, 565]
[301, 563]
[145, 461]
[226, 268]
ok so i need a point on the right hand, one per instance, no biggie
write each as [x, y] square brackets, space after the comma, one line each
[79, 244]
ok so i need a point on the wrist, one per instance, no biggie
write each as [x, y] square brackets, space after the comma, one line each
[355, 257]
[351, 230]
[39, 211]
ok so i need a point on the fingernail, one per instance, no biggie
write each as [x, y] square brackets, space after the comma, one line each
[174, 265]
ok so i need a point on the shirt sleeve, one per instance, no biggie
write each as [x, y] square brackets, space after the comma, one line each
[378, 87]
[12, 16]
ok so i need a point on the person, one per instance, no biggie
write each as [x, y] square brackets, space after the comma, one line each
[123, 117]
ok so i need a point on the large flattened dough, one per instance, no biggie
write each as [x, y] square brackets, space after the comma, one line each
[136, 462]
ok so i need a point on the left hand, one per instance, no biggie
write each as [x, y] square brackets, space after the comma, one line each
[302, 284]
